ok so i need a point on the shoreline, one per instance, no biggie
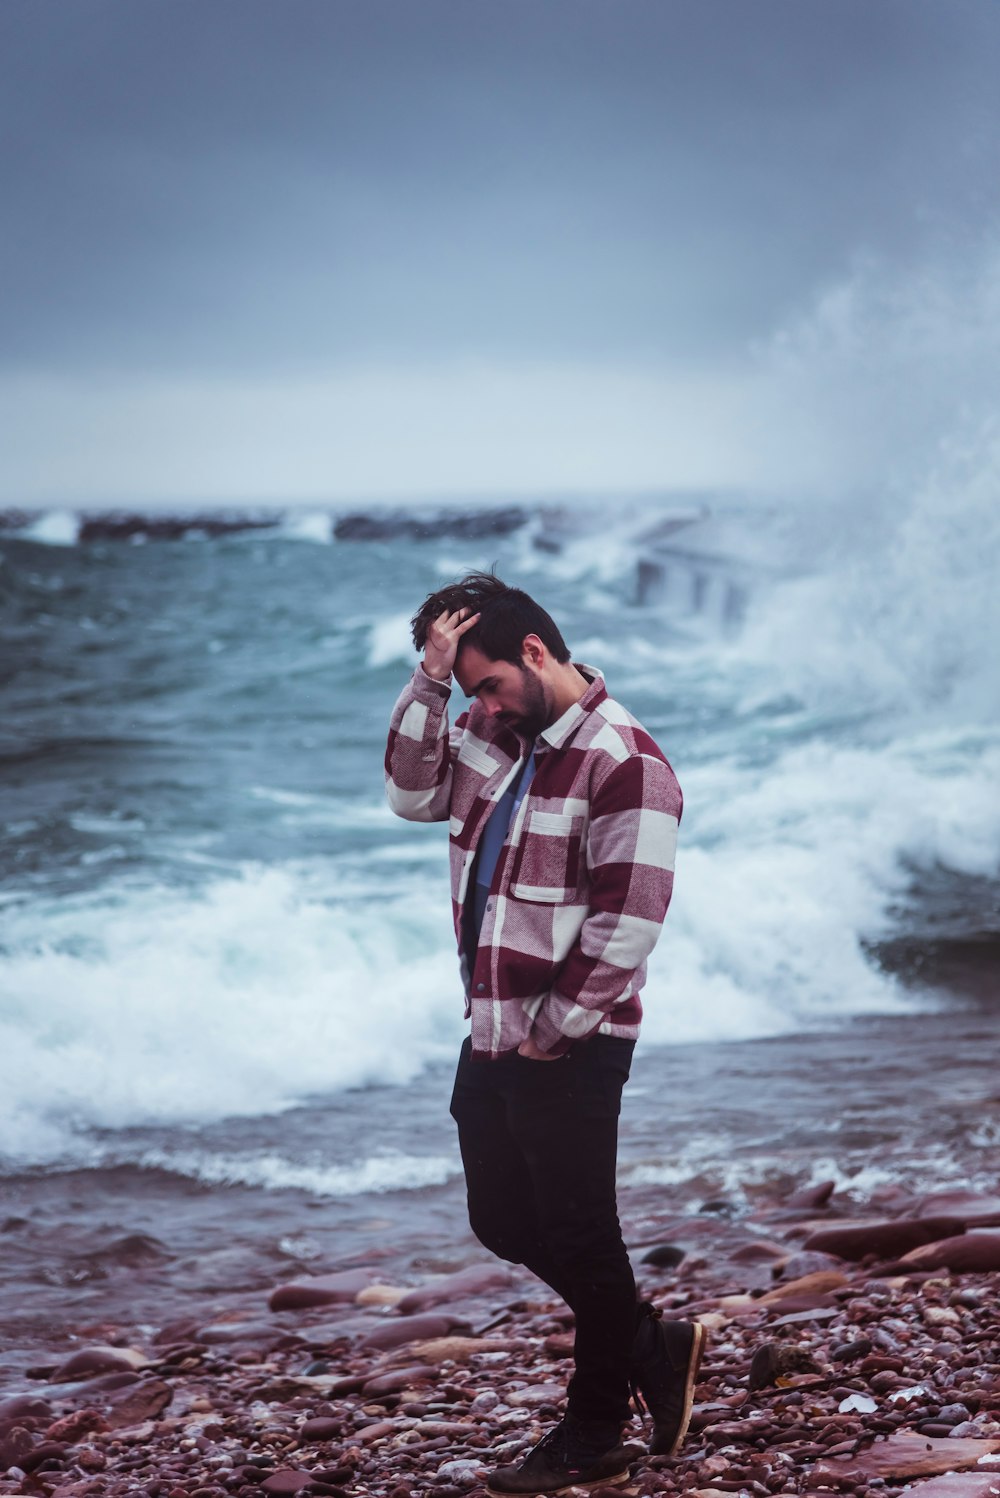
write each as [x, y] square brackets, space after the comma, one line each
[822, 1372]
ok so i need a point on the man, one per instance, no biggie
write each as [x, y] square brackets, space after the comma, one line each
[563, 817]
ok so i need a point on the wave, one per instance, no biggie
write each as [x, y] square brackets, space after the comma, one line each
[274, 985]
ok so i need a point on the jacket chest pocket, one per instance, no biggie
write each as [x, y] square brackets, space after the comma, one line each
[548, 864]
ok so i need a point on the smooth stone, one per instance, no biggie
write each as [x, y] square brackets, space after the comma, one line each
[43, 1452]
[322, 1333]
[462, 1470]
[143, 1401]
[104, 1382]
[970, 1206]
[98, 1360]
[320, 1290]
[77, 1425]
[376, 1431]
[460, 1349]
[380, 1295]
[904, 1454]
[886, 1240]
[797, 1266]
[664, 1256]
[399, 1378]
[15, 1447]
[175, 1332]
[849, 1352]
[262, 1333]
[955, 1485]
[816, 1313]
[808, 1197]
[809, 1287]
[475, 1280]
[397, 1332]
[759, 1251]
[322, 1428]
[536, 1394]
[776, 1360]
[976, 1252]
[25, 1404]
[286, 1480]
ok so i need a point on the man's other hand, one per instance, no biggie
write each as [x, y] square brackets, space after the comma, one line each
[530, 1051]
[443, 639]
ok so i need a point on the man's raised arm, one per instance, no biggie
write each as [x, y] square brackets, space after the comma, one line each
[418, 756]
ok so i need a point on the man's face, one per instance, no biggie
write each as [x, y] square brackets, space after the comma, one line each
[514, 694]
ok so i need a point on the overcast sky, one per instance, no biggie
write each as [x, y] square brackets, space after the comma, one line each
[356, 248]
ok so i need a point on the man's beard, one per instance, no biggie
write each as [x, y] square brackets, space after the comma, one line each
[534, 712]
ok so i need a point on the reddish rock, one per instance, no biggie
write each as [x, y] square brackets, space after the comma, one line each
[15, 1447]
[320, 1290]
[260, 1333]
[286, 1480]
[809, 1197]
[394, 1333]
[886, 1240]
[977, 1252]
[475, 1280]
[798, 1265]
[21, 1405]
[321, 1334]
[957, 1485]
[774, 1360]
[375, 1432]
[399, 1378]
[322, 1428]
[758, 1251]
[811, 1288]
[144, 1401]
[42, 1453]
[77, 1425]
[904, 1454]
[970, 1206]
[98, 1360]
[175, 1332]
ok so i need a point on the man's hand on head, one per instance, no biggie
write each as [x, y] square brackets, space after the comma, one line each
[443, 639]
[530, 1051]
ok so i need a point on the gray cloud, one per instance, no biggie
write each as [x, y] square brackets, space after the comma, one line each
[244, 185]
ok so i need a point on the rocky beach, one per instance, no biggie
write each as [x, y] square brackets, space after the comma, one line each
[848, 1352]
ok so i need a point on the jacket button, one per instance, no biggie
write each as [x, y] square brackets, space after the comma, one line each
[489, 904]
[480, 987]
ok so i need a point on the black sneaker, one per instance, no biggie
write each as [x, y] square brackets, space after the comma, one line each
[571, 1455]
[665, 1362]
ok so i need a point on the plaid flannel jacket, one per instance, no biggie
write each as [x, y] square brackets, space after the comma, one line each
[585, 876]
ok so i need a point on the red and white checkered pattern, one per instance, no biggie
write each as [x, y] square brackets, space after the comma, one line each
[586, 873]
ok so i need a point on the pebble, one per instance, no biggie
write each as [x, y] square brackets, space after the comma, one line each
[886, 1380]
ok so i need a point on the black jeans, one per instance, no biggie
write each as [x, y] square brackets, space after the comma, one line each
[539, 1141]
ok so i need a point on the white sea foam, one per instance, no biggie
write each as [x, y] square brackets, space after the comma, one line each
[54, 528]
[391, 1170]
[160, 1006]
[391, 641]
[306, 525]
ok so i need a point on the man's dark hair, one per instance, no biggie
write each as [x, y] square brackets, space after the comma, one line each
[507, 615]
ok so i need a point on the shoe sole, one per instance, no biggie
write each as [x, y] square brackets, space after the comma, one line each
[572, 1487]
[694, 1364]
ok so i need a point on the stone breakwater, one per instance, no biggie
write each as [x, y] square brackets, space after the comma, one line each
[847, 1354]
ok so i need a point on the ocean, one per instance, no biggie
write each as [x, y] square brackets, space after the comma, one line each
[229, 998]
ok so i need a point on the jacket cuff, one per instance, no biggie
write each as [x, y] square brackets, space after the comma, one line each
[548, 1037]
[427, 688]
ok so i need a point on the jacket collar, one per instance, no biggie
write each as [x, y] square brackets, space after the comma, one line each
[559, 733]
